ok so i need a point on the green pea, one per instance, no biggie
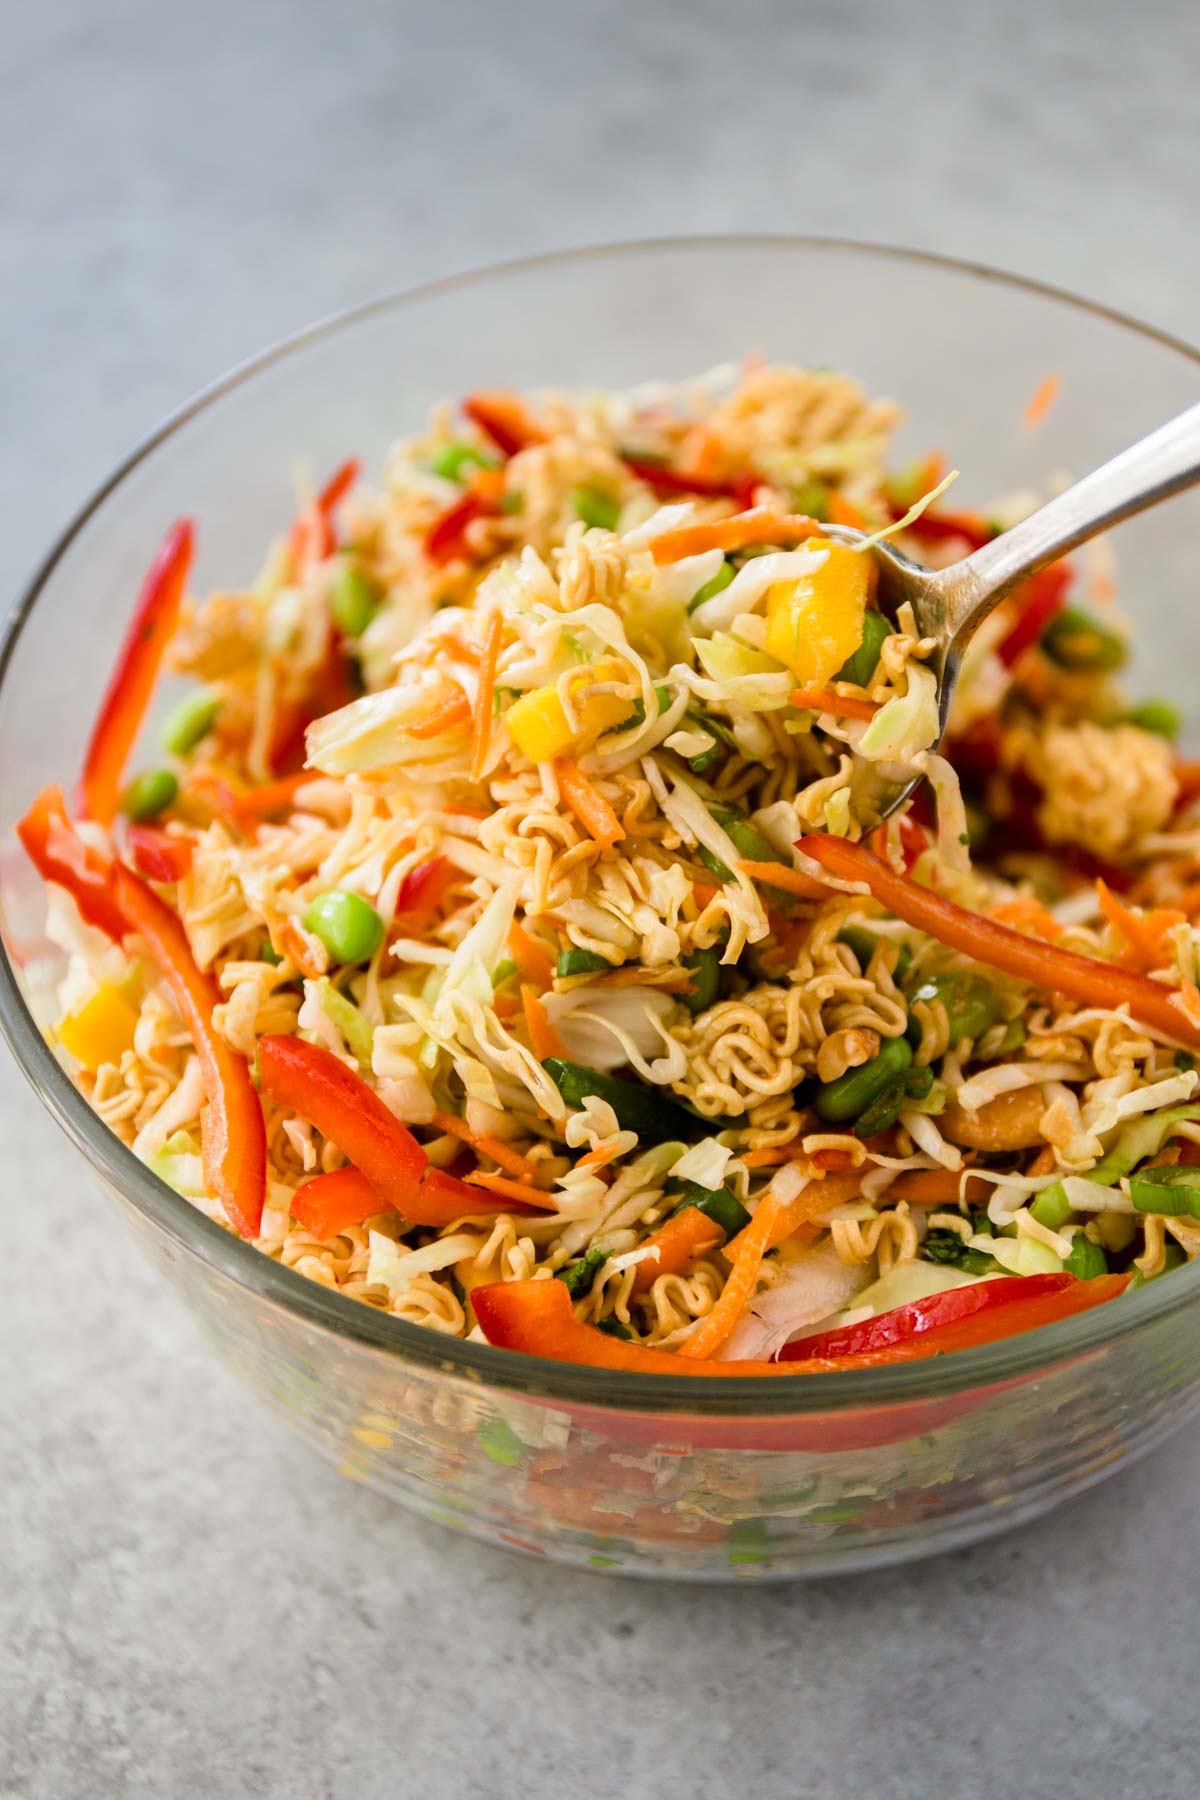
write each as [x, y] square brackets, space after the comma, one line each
[1158, 716]
[704, 967]
[353, 600]
[596, 508]
[1074, 640]
[969, 999]
[455, 460]
[581, 962]
[884, 1110]
[1086, 1260]
[812, 501]
[190, 720]
[348, 926]
[853, 1092]
[717, 585]
[717, 1204]
[860, 667]
[149, 794]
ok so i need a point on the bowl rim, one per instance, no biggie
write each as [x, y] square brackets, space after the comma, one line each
[539, 1378]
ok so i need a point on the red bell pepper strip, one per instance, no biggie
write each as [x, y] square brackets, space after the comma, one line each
[502, 417]
[311, 1081]
[329, 1204]
[157, 855]
[313, 537]
[444, 539]
[132, 681]
[1041, 597]
[423, 890]
[936, 527]
[233, 1137]
[331, 689]
[961, 1318]
[678, 481]
[60, 855]
[536, 1318]
[1045, 966]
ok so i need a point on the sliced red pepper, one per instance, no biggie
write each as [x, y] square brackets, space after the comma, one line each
[157, 855]
[536, 1317]
[1045, 966]
[132, 681]
[960, 1318]
[502, 417]
[329, 1204]
[60, 855]
[678, 481]
[444, 539]
[330, 690]
[1040, 598]
[936, 527]
[232, 1135]
[312, 1082]
[423, 890]
[313, 537]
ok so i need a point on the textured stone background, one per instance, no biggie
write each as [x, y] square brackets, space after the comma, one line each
[189, 1605]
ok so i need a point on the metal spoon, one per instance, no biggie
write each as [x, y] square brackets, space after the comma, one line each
[950, 604]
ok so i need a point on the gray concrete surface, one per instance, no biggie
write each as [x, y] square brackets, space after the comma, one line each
[188, 1605]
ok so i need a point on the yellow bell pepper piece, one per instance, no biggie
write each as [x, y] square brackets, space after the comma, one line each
[101, 1030]
[816, 622]
[538, 722]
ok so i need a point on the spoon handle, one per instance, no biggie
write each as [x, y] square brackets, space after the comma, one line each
[1157, 466]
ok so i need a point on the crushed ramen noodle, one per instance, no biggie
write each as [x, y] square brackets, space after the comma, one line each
[505, 938]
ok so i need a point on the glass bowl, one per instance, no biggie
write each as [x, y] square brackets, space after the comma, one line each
[704, 1479]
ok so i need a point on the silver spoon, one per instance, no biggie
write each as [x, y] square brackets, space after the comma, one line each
[950, 604]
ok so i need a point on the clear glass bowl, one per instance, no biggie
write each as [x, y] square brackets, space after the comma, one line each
[710, 1480]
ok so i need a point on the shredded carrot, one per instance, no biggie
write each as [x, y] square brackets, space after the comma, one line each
[273, 796]
[932, 1187]
[293, 943]
[1143, 936]
[587, 803]
[512, 1190]
[752, 1245]
[821, 700]
[1040, 401]
[530, 956]
[675, 1246]
[1028, 915]
[1189, 1002]
[542, 1035]
[447, 715]
[598, 1158]
[767, 1159]
[791, 881]
[481, 735]
[817, 1198]
[761, 525]
[844, 512]
[496, 1148]
[703, 892]
[1044, 1163]
[460, 647]
[506, 1007]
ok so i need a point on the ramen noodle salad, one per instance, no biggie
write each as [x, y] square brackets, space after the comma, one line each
[506, 936]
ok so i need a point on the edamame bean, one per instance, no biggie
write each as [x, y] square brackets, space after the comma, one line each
[348, 926]
[855, 1091]
[149, 794]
